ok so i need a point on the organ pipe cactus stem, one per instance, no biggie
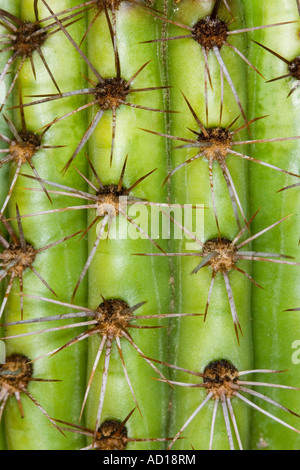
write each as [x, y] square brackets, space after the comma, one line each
[222, 383]
[99, 71]
[24, 38]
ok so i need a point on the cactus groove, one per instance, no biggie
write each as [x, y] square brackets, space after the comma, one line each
[149, 224]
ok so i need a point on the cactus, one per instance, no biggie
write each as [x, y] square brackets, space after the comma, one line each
[124, 123]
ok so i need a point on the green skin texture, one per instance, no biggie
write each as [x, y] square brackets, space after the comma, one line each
[274, 330]
[12, 7]
[115, 272]
[194, 343]
[61, 265]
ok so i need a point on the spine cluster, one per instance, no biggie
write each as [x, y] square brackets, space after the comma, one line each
[148, 224]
